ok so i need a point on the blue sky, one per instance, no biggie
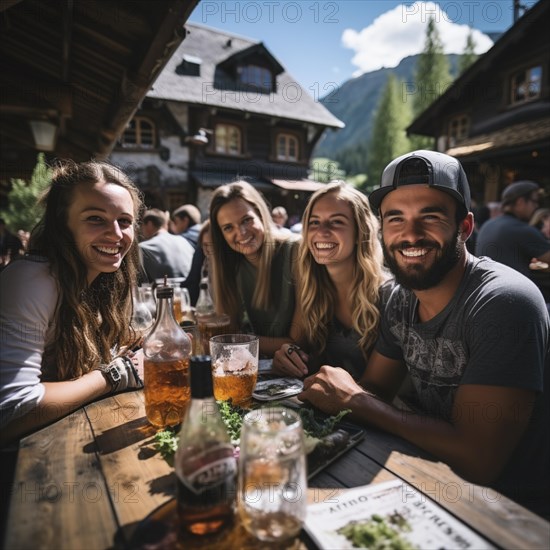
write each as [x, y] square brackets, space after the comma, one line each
[322, 43]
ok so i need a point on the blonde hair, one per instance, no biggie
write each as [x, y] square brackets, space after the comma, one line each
[225, 261]
[89, 320]
[538, 217]
[316, 291]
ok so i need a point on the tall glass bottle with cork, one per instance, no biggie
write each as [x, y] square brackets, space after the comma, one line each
[166, 365]
[205, 462]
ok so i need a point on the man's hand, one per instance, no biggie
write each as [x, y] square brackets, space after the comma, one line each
[330, 390]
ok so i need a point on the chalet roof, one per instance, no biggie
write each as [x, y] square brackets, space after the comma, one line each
[216, 88]
[527, 133]
[531, 22]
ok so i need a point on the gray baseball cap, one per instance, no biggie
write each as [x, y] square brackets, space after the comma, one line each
[430, 168]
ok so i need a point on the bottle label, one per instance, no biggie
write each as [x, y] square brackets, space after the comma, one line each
[210, 474]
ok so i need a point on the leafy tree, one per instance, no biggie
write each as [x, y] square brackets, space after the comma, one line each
[353, 160]
[358, 180]
[388, 139]
[469, 55]
[432, 78]
[326, 170]
[23, 211]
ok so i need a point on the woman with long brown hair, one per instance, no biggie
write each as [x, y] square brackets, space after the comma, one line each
[67, 305]
[252, 265]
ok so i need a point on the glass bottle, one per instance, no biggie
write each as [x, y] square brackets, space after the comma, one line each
[205, 305]
[205, 462]
[166, 365]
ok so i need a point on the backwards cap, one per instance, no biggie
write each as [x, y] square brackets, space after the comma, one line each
[430, 168]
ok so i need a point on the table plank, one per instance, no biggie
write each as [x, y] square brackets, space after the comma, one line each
[493, 515]
[60, 498]
[140, 479]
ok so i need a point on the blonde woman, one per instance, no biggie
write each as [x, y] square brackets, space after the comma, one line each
[67, 306]
[251, 265]
[340, 274]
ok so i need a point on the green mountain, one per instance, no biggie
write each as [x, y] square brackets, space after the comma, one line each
[355, 102]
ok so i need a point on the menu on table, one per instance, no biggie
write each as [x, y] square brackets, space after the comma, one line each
[387, 515]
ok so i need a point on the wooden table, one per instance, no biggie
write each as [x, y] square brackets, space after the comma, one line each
[87, 481]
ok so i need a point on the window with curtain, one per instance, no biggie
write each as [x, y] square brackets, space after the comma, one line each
[228, 139]
[287, 147]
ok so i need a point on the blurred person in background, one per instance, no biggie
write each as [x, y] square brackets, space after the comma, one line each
[510, 240]
[163, 253]
[67, 305]
[186, 221]
[280, 218]
[252, 265]
[200, 265]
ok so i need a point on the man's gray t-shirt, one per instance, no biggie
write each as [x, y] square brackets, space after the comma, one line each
[495, 331]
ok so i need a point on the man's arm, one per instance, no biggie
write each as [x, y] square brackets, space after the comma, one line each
[486, 426]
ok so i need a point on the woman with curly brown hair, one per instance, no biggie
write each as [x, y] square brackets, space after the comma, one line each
[339, 278]
[67, 305]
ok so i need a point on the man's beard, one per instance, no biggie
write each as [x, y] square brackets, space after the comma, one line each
[419, 277]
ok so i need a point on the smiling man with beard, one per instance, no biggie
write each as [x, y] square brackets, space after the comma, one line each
[472, 333]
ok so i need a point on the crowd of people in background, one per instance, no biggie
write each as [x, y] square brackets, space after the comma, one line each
[359, 297]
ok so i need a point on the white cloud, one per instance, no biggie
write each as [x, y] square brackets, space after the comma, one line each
[401, 32]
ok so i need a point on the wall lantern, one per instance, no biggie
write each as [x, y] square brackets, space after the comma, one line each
[200, 138]
[44, 133]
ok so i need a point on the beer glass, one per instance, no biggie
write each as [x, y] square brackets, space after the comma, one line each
[272, 486]
[234, 366]
[212, 325]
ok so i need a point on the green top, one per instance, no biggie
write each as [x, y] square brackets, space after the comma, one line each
[276, 321]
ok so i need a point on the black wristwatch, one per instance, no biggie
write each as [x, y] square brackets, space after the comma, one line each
[112, 374]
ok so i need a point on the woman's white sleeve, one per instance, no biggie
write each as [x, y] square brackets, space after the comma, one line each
[28, 296]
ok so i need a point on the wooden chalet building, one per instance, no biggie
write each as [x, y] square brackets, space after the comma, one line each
[495, 118]
[74, 72]
[222, 108]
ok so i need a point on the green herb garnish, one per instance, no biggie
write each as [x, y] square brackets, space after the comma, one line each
[166, 443]
[317, 427]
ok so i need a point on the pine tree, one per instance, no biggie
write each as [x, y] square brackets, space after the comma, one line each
[23, 211]
[432, 78]
[469, 55]
[388, 138]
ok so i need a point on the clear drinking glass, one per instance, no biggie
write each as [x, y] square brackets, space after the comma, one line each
[234, 366]
[148, 297]
[142, 320]
[272, 486]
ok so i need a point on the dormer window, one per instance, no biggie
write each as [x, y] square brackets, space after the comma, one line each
[139, 134]
[189, 66]
[256, 77]
[526, 85]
